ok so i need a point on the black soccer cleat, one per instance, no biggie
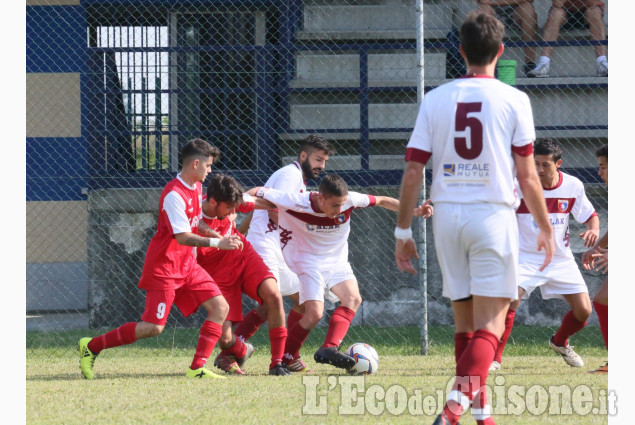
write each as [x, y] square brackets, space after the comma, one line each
[332, 356]
[280, 370]
[443, 420]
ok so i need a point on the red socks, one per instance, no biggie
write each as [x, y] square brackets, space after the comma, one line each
[248, 327]
[338, 326]
[277, 339]
[123, 335]
[472, 371]
[293, 318]
[509, 324]
[295, 338]
[208, 337]
[461, 341]
[238, 349]
[569, 327]
[603, 315]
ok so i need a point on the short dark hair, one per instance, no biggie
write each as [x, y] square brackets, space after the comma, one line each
[198, 147]
[333, 185]
[481, 36]
[548, 147]
[223, 188]
[314, 142]
[603, 151]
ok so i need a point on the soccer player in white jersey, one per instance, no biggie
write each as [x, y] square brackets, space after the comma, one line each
[479, 133]
[315, 246]
[264, 235]
[170, 273]
[564, 196]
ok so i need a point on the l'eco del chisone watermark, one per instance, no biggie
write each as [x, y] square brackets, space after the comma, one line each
[356, 398]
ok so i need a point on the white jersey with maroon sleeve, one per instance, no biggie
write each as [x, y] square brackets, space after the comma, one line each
[567, 197]
[310, 239]
[263, 233]
[179, 212]
[470, 127]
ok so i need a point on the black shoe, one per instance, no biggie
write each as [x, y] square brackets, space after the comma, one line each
[280, 370]
[443, 420]
[332, 356]
[528, 67]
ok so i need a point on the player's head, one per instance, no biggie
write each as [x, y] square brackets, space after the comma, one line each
[333, 194]
[603, 162]
[224, 195]
[314, 153]
[481, 36]
[548, 158]
[197, 157]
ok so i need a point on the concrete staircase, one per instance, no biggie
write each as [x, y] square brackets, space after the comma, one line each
[323, 95]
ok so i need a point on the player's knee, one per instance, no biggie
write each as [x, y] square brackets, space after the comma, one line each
[558, 15]
[311, 319]
[353, 301]
[154, 330]
[583, 313]
[217, 309]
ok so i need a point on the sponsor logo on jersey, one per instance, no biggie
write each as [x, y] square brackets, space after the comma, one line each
[340, 218]
[449, 170]
[563, 204]
[321, 228]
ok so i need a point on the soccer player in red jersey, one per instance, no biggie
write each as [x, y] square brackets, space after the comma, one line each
[237, 273]
[170, 273]
[564, 196]
[598, 258]
[479, 133]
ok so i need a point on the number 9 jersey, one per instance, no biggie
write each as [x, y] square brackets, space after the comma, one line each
[470, 127]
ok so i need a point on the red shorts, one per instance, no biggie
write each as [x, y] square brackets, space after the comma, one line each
[195, 290]
[244, 278]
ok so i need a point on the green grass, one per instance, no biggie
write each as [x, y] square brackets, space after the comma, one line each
[145, 383]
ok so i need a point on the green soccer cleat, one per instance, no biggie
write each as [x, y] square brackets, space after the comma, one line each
[202, 373]
[86, 358]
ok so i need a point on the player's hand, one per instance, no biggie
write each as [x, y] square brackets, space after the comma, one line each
[588, 258]
[590, 237]
[404, 250]
[545, 241]
[230, 243]
[602, 260]
[424, 210]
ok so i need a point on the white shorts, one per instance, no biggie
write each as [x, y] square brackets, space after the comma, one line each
[558, 279]
[316, 284]
[288, 282]
[477, 248]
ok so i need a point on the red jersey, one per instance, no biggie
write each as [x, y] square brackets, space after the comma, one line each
[179, 211]
[222, 264]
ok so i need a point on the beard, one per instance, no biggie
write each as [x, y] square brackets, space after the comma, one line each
[308, 172]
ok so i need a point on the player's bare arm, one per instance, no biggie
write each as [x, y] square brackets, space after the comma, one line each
[591, 235]
[205, 230]
[532, 193]
[191, 239]
[405, 249]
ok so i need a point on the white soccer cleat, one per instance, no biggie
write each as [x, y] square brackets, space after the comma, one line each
[494, 366]
[602, 69]
[540, 71]
[571, 357]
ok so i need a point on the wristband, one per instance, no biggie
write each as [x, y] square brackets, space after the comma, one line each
[403, 234]
[213, 242]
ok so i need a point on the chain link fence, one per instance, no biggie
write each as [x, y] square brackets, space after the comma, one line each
[114, 89]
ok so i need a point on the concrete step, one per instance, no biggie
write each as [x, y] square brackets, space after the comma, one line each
[359, 21]
[566, 61]
[323, 69]
[563, 107]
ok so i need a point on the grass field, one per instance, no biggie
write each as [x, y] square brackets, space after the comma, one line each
[145, 383]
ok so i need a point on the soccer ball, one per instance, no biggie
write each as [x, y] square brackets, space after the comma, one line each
[366, 359]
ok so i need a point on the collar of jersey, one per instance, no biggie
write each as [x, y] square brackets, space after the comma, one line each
[477, 76]
[178, 176]
[560, 178]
